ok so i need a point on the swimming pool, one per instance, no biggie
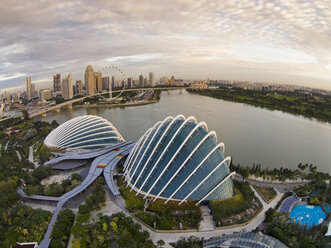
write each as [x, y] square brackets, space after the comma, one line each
[307, 215]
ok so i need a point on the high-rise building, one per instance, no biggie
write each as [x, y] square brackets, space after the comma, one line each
[172, 81]
[130, 82]
[145, 82]
[33, 89]
[89, 81]
[141, 81]
[57, 82]
[113, 82]
[79, 86]
[28, 88]
[67, 91]
[98, 81]
[164, 80]
[151, 79]
[8, 97]
[105, 83]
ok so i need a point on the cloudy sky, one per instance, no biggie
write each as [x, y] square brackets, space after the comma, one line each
[286, 41]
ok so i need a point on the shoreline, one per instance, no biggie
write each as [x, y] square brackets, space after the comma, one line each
[312, 118]
[117, 105]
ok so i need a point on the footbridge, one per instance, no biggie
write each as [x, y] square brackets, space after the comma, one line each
[85, 155]
[106, 163]
[68, 104]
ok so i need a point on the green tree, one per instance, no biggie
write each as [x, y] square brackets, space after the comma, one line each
[160, 243]
[25, 114]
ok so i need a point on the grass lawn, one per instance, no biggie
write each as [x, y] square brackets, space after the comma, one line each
[267, 193]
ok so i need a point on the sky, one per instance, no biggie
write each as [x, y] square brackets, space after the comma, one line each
[281, 41]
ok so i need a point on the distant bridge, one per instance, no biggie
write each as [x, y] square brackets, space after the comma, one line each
[68, 104]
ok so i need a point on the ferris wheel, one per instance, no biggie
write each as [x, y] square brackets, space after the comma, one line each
[115, 75]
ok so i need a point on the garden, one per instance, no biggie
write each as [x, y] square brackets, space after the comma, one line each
[268, 194]
[239, 209]
[158, 215]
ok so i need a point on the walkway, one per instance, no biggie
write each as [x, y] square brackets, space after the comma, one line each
[31, 159]
[280, 186]
[207, 223]
[174, 237]
[110, 158]
[85, 155]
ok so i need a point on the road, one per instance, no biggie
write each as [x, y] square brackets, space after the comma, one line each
[70, 102]
[280, 186]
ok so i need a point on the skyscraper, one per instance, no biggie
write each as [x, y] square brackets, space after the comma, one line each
[130, 82]
[145, 82]
[141, 81]
[151, 79]
[8, 100]
[98, 81]
[33, 89]
[67, 92]
[113, 82]
[105, 83]
[172, 81]
[79, 86]
[28, 88]
[57, 82]
[89, 81]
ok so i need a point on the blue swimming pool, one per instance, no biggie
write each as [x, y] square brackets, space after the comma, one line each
[307, 215]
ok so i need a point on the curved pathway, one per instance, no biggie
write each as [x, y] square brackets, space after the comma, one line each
[85, 155]
[174, 237]
[109, 158]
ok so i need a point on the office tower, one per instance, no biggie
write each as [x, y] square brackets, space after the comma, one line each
[57, 82]
[33, 89]
[172, 81]
[105, 83]
[8, 97]
[112, 82]
[151, 79]
[141, 81]
[28, 88]
[79, 86]
[45, 95]
[145, 82]
[98, 81]
[89, 81]
[67, 91]
[130, 82]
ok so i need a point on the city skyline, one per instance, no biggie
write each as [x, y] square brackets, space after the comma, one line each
[276, 42]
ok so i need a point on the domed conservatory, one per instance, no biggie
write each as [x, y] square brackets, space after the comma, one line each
[179, 159]
[83, 133]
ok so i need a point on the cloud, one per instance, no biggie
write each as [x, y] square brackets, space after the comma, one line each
[41, 38]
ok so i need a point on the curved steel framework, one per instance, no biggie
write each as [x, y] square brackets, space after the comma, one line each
[178, 159]
[83, 132]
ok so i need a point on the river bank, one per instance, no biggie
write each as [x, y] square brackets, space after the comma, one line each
[313, 105]
[251, 135]
[118, 105]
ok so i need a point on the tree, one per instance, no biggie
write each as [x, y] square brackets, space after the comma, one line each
[160, 243]
[76, 243]
[25, 114]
